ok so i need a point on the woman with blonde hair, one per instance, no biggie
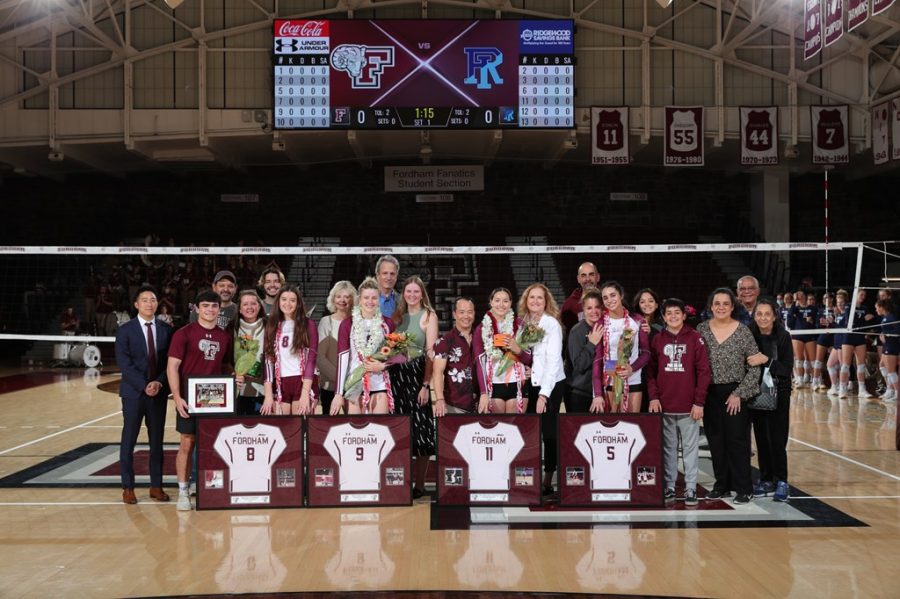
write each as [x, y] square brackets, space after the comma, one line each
[340, 302]
[359, 338]
[538, 308]
[410, 380]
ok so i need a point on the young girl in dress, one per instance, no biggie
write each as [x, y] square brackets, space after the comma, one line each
[292, 344]
[493, 343]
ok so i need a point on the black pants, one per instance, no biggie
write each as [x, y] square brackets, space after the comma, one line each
[152, 411]
[549, 421]
[325, 397]
[578, 402]
[771, 432]
[729, 441]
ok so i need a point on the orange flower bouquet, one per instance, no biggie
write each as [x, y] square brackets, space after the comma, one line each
[394, 350]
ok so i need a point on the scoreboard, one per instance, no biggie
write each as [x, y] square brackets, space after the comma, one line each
[422, 74]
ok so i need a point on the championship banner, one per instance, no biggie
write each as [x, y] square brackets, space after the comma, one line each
[609, 135]
[759, 135]
[834, 21]
[249, 462]
[489, 460]
[879, 6]
[684, 136]
[895, 128]
[610, 460]
[830, 142]
[812, 28]
[359, 460]
[881, 121]
[857, 13]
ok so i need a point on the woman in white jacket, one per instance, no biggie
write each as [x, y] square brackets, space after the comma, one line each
[537, 307]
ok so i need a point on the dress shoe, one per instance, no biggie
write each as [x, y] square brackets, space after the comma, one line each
[158, 494]
[128, 496]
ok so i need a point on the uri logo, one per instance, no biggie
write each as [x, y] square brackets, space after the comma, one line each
[481, 67]
[364, 64]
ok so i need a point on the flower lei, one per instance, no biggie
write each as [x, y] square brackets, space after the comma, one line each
[607, 377]
[303, 355]
[367, 342]
[508, 326]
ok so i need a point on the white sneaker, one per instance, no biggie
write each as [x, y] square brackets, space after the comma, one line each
[889, 397]
[833, 391]
[843, 392]
[184, 503]
[864, 394]
[805, 380]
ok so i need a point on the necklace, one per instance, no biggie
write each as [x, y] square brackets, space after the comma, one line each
[367, 334]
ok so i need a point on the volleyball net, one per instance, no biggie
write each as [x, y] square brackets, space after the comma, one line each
[40, 283]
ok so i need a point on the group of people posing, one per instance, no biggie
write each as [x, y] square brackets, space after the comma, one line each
[596, 354]
[839, 353]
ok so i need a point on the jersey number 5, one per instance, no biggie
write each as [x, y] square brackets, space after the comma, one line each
[610, 452]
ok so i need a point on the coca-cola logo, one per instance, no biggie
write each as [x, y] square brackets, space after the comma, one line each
[302, 29]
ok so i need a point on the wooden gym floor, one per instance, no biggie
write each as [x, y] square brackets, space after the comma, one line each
[77, 539]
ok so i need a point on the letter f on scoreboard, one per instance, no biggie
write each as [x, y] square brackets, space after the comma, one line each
[481, 65]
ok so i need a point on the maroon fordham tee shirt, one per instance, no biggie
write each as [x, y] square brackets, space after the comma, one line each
[201, 351]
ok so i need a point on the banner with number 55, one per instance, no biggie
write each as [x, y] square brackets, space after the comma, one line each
[684, 136]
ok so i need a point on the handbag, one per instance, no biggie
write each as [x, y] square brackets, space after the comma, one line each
[767, 400]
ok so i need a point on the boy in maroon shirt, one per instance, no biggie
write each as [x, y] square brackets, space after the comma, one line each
[198, 349]
[678, 378]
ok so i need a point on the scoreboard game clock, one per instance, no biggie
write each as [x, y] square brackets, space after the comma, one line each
[423, 74]
[610, 460]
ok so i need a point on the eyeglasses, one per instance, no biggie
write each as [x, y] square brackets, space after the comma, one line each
[747, 288]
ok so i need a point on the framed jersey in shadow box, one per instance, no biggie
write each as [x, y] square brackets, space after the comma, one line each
[489, 460]
[359, 460]
[610, 460]
[249, 462]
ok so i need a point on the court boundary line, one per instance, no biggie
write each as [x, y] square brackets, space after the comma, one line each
[846, 459]
[57, 433]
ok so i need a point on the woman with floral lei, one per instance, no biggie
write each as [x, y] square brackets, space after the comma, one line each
[359, 338]
[409, 380]
[292, 345]
[623, 350]
[499, 359]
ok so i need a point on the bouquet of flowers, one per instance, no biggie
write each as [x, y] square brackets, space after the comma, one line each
[528, 336]
[623, 359]
[393, 350]
[246, 352]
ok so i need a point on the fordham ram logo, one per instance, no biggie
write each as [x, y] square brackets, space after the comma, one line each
[364, 64]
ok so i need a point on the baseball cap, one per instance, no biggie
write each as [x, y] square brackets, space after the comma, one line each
[224, 274]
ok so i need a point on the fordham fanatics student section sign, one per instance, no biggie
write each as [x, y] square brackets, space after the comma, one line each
[610, 460]
[831, 144]
[249, 462]
[759, 135]
[684, 136]
[489, 460]
[359, 460]
[609, 135]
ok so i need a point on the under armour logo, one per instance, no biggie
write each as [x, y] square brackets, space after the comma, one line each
[364, 64]
[481, 65]
[286, 46]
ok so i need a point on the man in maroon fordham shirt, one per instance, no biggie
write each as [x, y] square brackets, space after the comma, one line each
[571, 310]
[199, 349]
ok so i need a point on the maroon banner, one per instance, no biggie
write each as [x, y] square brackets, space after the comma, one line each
[489, 460]
[759, 135]
[359, 460]
[830, 137]
[249, 462]
[881, 123]
[609, 135]
[834, 21]
[812, 28]
[684, 136]
[879, 6]
[610, 460]
[895, 129]
[857, 13]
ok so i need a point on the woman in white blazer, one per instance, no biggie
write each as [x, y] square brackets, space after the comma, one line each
[537, 307]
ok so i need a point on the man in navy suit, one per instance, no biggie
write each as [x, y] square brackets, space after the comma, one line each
[142, 346]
